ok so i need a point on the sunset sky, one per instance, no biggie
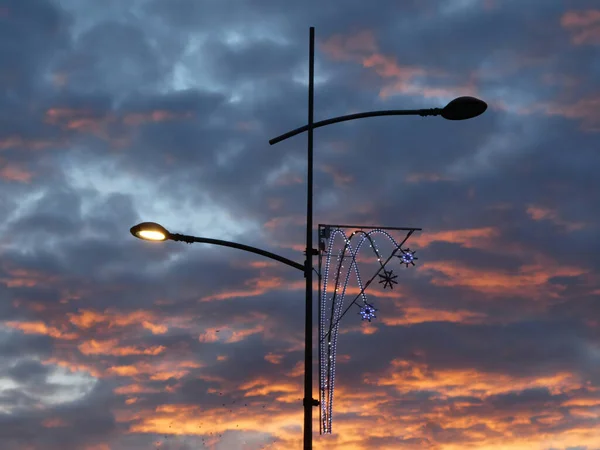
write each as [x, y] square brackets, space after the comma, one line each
[115, 112]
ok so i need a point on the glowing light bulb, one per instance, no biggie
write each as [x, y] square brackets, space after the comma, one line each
[152, 235]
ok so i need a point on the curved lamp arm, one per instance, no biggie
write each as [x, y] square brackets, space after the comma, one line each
[392, 112]
[246, 248]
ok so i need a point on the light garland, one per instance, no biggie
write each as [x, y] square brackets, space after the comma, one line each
[329, 329]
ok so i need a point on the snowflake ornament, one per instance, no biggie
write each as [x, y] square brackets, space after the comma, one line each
[388, 278]
[367, 312]
[407, 257]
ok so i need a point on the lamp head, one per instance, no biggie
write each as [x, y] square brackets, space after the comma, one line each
[150, 231]
[463, 108]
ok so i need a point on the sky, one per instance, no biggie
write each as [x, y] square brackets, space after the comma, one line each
[117, 112]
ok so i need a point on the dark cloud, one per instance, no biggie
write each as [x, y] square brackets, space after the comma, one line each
[115, 113]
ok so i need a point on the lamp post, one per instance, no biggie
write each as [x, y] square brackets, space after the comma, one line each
[458, 109]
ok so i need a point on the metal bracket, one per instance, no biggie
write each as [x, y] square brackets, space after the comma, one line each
[313, 401]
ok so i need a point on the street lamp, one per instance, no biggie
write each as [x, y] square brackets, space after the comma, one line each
[461, 108]
[151, 231]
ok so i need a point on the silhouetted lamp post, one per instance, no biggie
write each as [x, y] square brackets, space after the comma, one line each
[461, 108]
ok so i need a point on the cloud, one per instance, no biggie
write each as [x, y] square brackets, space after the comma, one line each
[362, 48]
[114, 113]
[584, 26]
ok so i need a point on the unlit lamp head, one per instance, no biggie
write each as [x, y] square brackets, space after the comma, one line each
[150, 231]
[463, 108]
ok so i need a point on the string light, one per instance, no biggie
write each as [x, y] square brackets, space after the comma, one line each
[330, 329]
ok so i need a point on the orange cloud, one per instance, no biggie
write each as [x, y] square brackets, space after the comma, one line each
[530, 281]
[414, 314]
[350, 48]
[154, 116]
[274, 358]
[134, 389]
[297, 371]
[468, 238]
[279, 222]
[23, 143]
[193, 420]
[340, 179]
[362, 48]
[154, 328]
[541, 213]
[110, 318]
[406, 376]
[98, 447]
[111, 347]
[31, 306]
[584, 26]
[387, 67]
[74, 367]
[233, 333]
[240, 335]
[88, 121]
[54, 423]
[256, 286]
[210, 335]
[12, 172]
[124, 371]
[158, 371]
[263, 264]
[108, 126]
[42, 328]
[19, 277]
[585, 109]
[82, 120]
[263, 386]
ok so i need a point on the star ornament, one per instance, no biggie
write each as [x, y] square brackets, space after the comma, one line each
[407, 257]
[367, 312]
[388, 279]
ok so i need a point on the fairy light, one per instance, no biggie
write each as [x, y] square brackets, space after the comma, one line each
[329, 347]
[329, 372]
[323, 362]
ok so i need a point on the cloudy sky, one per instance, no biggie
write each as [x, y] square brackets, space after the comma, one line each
[116, 112]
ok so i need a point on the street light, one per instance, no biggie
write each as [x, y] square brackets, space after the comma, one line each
[461, 108]
[150, 231]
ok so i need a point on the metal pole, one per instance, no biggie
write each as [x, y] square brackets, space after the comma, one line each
[308, 399]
